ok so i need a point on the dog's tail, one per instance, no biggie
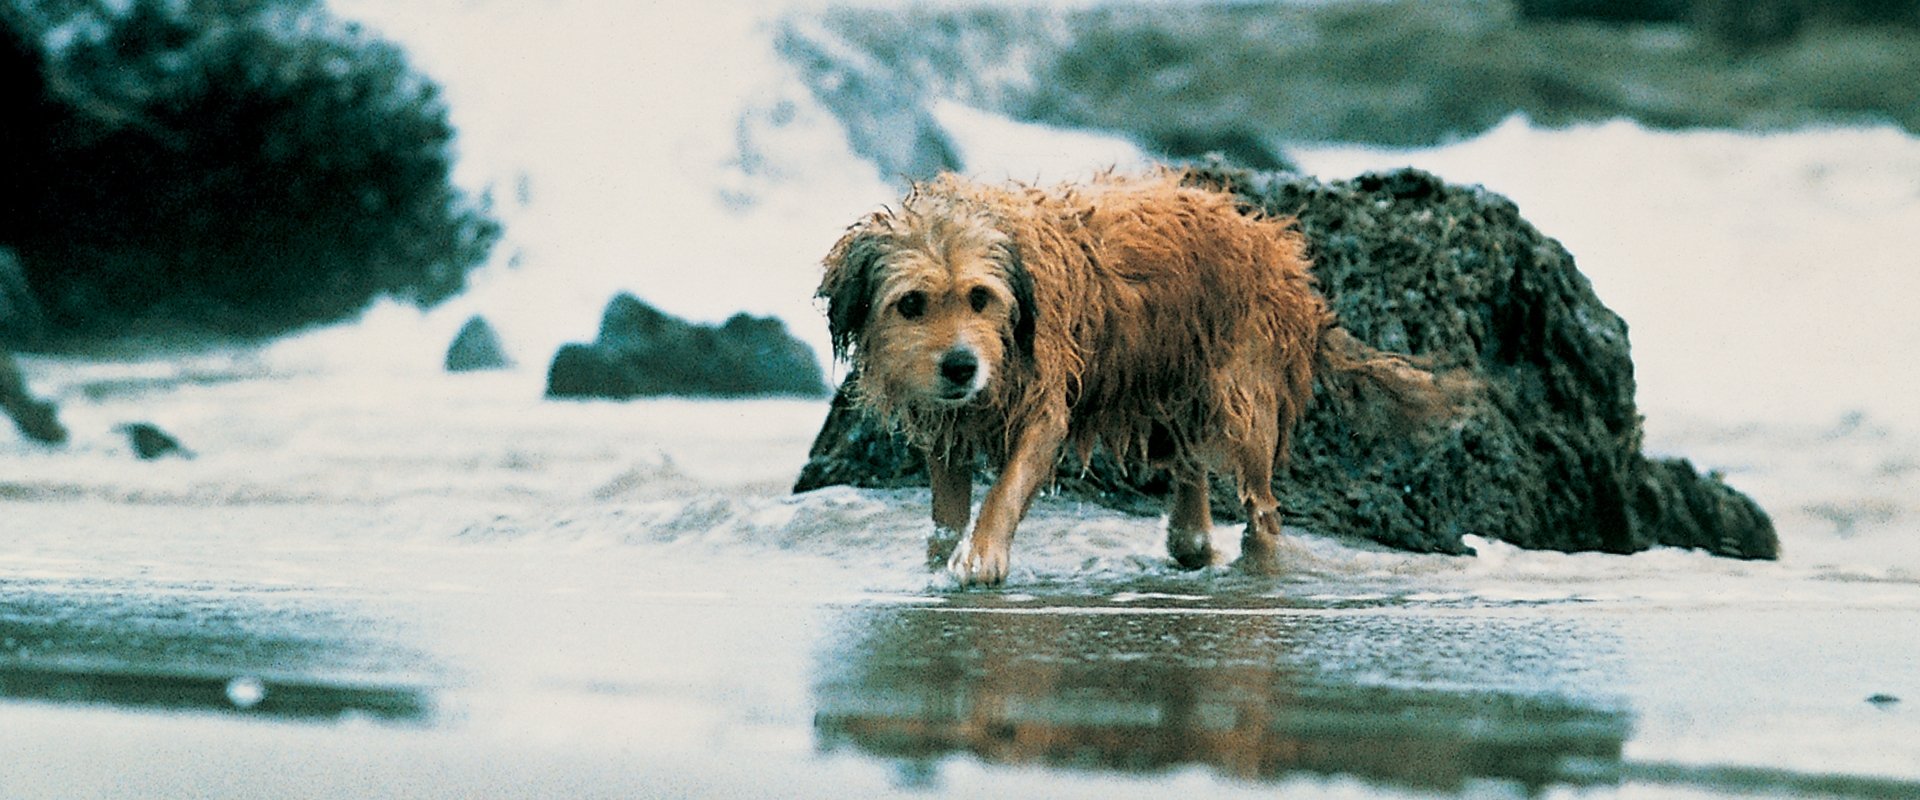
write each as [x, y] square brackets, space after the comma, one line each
[1417, 396]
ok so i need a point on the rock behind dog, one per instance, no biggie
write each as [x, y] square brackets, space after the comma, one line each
[644, 352]
[1551, 459]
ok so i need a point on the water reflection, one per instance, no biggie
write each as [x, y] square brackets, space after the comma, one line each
[1255, 694]
[206, 648]
[293, 699]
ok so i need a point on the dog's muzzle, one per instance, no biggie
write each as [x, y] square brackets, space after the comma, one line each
[960, 375]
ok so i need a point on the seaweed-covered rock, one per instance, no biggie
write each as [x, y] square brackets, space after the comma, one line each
[643, 352]
[476, 347]
[1550, 458]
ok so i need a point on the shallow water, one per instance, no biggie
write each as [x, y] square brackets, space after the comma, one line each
[470, 590]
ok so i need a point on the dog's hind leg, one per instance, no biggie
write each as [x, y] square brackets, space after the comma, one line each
[951, 471]
[1253, 455]
[1190, 521]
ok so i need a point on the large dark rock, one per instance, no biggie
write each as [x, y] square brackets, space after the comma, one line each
[642, 352]
[1549, 459]
[205, 167]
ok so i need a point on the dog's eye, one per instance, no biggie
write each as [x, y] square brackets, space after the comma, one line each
[979, 297]
[911, 305]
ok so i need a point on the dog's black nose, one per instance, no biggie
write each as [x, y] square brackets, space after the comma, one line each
[958, 366]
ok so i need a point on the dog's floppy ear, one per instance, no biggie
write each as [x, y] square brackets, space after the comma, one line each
[848, 284]
[1026, 310]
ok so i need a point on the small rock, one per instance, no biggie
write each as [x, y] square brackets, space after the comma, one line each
[477, 347]
[149, 442]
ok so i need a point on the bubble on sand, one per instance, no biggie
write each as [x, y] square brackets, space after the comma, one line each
[246, 692]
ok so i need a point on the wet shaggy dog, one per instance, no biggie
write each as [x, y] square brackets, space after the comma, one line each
[1145, 314]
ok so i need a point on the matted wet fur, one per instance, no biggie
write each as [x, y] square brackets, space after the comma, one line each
[1142, 313]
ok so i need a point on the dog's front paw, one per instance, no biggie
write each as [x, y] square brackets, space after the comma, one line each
[979, 565]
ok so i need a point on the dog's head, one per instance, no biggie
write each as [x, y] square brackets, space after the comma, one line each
[931, 303]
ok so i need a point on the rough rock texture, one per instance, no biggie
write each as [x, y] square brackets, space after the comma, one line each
[642, 352]
[1549, 459]
[476, 347]
[36, 419]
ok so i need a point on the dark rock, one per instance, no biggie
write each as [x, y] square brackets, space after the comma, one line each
[205, 168]
[149, 442]
[1551, 457]
[887, 121]
[584, 370]
[642, 352]
[36, 419]
[476, 347]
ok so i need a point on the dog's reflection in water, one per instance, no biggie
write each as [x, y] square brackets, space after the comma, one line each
[1253, 696]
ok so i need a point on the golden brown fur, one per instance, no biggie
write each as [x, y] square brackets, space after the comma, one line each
[1153, 317]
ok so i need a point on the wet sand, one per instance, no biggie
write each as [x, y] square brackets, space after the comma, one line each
[642, 677]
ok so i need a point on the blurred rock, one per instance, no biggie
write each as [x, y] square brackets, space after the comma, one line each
[203, 167]
[887, 121]
[1342, 71]
[641, 352]
[37, 420]
[149, 442]
[1551, 459]
[476, 347]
